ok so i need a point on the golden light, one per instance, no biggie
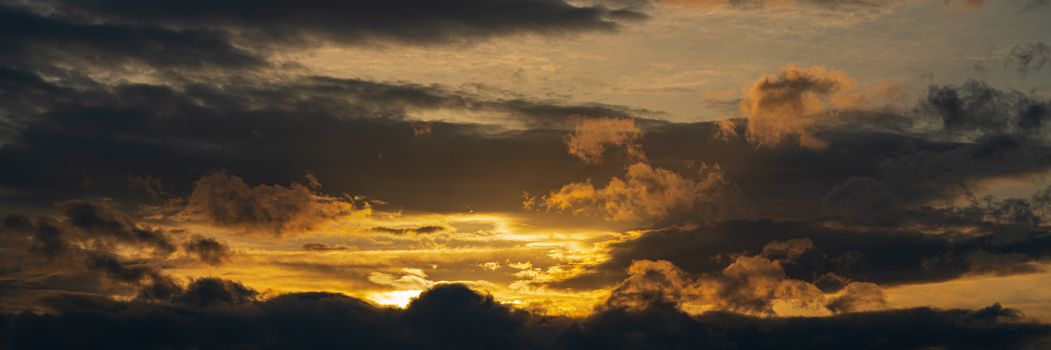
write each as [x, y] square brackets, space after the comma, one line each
[398, 298]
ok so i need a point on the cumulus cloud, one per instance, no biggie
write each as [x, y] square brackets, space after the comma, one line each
[226, 200]
[858, 296]
[751, 284]
[592, 137]
[648, 193]
[725, 129]
[792, 104]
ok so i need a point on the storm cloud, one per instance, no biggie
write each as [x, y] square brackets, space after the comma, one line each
[453, 316]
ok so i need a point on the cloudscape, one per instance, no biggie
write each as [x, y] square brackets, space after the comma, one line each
[525, 174]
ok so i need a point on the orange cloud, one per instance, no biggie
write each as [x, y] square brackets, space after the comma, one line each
[726, 129]
[750, 285]
[592, 137]
[652, 193]
[791, 104]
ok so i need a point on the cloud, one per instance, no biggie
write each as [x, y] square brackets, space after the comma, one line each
[453, 316]
[928, 177]
[322, 247]
[592, 136]
[858, 296]
[975, 108]
[726, 129]
[255, 129]
[91, 248]
[410, 279]
[207, 249]
[427, 229]
[787, 250]
[792, 105]
[749, 284]
[401, 21]
[838, 256]
[212, 291]
[827, 4]
[37, 39]
[648, 193]
[1030, 56]
[85, 224]
[226, 200]
[976, 4]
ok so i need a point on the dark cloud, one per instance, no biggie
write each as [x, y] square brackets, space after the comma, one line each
[90, 225]
[130, 272]
[1030, 56]
[83, 249]
[226, 200]
[428, 229]
[322, 247]
[35, 40]
[452, 316]
[885, 256]
[99, 220]
[663, 327]
[838, 5]
[259, 132]
[401, 21]
[1001, 136]
[207, 249]
[273, 133]
[977, 108]
[201, 292]
[918, 177]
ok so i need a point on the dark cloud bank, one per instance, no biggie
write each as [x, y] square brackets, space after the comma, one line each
[218, 314]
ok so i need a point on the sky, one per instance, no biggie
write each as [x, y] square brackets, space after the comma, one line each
[537, 174]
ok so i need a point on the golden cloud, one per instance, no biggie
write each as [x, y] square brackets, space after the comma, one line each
[592, 136]
[648, 193]
[749, 285]
[790, 104]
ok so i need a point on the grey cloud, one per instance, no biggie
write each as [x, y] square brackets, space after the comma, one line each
[886, 256]
[453, 316]
[976, 108]
[1030, 56]
[226, 200]
[322, 247]
[208, 250]
[405, 21]
[409, 230]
